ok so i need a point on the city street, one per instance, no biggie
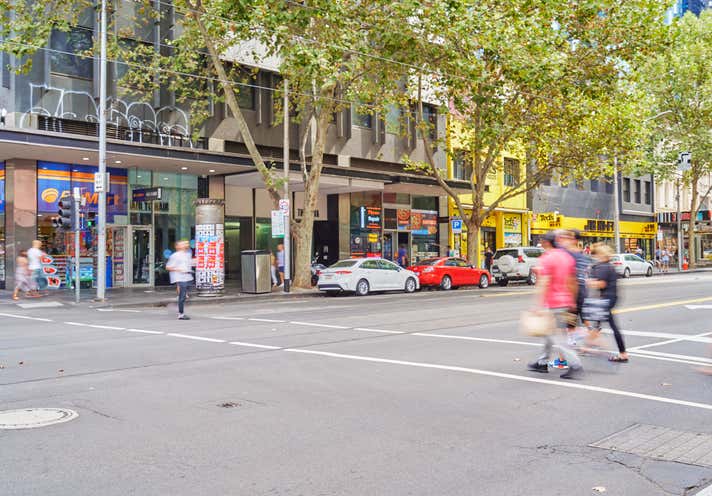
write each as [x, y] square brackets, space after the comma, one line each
[389, 394]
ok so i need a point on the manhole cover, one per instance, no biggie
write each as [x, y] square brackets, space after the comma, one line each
[29, 418]
[662, 443]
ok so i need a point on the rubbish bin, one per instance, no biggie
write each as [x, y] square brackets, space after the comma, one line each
[256, 277]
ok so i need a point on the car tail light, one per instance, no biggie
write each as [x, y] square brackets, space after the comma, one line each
[520, 259]
[343, 272]
[617, 263]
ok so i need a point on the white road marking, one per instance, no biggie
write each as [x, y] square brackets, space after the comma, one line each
[366, 329]
[698, 307]
[143, 332]
[664, 335]
[469, 338]
[664, 359]
[254, 345]
[40, 304]
[273, 321]
[114, 328]
[78, 324]
[228, 318]
[502, 375]
[24, 317]
[705, 492]
[674, 355]
[314, 324]
[197, 338]
[669, 341]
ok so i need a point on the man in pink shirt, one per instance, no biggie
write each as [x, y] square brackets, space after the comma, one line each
[557, 286]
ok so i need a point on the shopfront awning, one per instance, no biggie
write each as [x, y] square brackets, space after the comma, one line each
[328, 184]
[424, 186]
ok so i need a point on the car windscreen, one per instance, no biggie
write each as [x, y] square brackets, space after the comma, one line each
[428, 261]
[343, 263]
[500, 253]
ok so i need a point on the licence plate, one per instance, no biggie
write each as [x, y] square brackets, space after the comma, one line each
[328, 276]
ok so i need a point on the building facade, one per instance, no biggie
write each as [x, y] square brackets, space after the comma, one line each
[367, 205]
[588, 206]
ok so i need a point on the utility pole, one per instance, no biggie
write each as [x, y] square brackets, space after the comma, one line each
[683, 164]
[679, 227]
[287, 212]
[76, 225]
[101, 181]
[616, 203]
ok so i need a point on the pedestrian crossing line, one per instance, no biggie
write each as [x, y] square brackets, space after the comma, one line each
[660, 305]
[671, 341]
[504, 375]
[26, 317]
[698, 338]
[470, 338]
[673, 355]
[366, 329]
[196, 338]
[255, 345]
[315, 324]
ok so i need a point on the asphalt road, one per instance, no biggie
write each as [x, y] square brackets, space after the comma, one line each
[424, 394]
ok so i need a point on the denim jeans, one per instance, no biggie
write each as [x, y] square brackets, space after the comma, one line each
[39, 279]
[182, 293]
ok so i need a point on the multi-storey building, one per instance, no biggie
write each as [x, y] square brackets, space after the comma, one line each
[48, 144]
[588, 206]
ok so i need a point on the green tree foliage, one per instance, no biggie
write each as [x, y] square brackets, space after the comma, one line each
[679, 81]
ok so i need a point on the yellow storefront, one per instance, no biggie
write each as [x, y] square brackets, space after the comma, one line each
[633, 234]
[501, 229]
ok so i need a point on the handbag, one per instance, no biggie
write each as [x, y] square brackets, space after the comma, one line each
[537, 323]
[595, 309]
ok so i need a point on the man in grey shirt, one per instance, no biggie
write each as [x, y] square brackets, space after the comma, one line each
[180, 265]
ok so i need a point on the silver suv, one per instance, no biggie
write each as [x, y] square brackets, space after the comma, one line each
[515, 264]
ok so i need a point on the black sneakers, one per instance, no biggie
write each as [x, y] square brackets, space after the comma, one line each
[539, 367]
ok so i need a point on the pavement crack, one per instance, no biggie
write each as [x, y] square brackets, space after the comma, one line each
[639, 470]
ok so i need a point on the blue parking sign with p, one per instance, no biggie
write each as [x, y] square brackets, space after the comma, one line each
[456, 225]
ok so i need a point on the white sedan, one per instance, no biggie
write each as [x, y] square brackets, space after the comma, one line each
[363, 275]
[627, 264]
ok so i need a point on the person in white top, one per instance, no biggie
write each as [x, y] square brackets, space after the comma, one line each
[34, 256]
[180, 265]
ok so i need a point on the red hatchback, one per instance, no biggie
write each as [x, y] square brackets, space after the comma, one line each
[450, 272]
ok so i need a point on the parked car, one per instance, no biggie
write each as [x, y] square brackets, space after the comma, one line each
[363, 275]
[449, 272]
[627, 264]
[516, 264]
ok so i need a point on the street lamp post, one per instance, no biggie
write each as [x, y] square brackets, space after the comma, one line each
[288, 212]
[616, 206]
[101, 181]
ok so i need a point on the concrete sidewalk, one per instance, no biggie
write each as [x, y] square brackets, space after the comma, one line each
[156, 297]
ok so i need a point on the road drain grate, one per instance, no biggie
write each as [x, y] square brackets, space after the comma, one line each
[661, 443]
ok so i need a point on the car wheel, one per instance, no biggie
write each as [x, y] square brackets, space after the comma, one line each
[410, 285]
[362, 287]
[649, 272]
[446, 283]
[626, 273]
[531, 280]
[503, 282]
[484, 281]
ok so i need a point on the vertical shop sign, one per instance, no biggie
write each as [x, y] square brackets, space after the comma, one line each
[209, 247]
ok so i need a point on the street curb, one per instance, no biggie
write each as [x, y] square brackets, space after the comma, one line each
[198, 300]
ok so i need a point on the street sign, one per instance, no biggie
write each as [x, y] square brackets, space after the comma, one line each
[684, 161]
[278, 224]
[99, 183]
[456, 225]
[146, 194]
[284, 205]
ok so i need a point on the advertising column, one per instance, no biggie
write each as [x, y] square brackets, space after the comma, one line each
[209, 246]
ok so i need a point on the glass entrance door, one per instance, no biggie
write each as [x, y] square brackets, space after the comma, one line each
[389, 250]
[142, 259]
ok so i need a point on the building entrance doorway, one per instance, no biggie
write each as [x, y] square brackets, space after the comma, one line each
[131, 258]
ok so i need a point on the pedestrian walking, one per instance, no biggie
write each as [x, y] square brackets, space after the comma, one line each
[280, 263]
[273, 270]
[34, 257]
[665, 257]
[488, 258]
[23, 277]
[556, 289]
[180, 265]
[605, 280]
[402, 258]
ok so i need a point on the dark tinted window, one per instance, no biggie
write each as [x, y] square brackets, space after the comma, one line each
[533, 253]
[512, 253]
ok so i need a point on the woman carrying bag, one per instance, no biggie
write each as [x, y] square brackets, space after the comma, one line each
[605, 279]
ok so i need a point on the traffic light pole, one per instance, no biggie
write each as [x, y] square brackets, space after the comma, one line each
[76, 204]
[101, 221]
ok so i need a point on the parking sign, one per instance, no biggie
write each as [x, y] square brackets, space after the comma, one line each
[456, 225]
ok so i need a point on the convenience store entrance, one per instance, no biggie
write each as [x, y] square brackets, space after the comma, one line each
[131, 259]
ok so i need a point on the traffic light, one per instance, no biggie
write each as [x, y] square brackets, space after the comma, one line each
[66, 218]
[91, 220]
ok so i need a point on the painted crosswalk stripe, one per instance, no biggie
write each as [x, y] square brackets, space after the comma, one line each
[196, 338]
[502, 375]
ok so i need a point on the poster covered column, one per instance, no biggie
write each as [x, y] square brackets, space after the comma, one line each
[209, 246]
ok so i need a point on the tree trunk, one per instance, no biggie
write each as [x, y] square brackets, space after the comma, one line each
[691, 224]
[473, 241]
